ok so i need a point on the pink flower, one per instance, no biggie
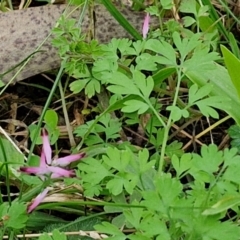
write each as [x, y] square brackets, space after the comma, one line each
[37, 200]
[47, 151]
[146, 25]
[51, 168]
[64, 161]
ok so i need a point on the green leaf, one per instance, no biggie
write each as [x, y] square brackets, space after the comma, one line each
[203, 11]
[234, 133]
[116, 105]
[144, 85]
[163, 74]
[34, 161]
[188, 6]
[51, 118]
[116, 185]
[2, 84]
[14, 158]
[135, 105]
[137, 236]
[230, 156]
[134, 215]
[206, 24]
[162, 195]
[177, 113]
[92, 190]
[56, 235]
[33, 129]
[123, 45]
[121, 20]
[119, 220]
[153, 226]
[223, 205]
[231, 173]
[108, 228]
[182, 165]
[122, 85]
[78, 85]
[112, 126]
[14, 216]
[222, 87]
[146, 62]
[207, 164]
[185, 45]
[93, 171]
[163, 48]
[38, 220]
[233, 64]
[81, 223]
[174, 147]
[92, 87]
[188, 21]
[201, 59]
[222, 231]
[205, 106]
[234, 45]
[166, 4]
[119, 199]
[122, 161]
[158, 139]
[45, 236]
[53, 133]
[117, 159]
[144, 163]
[196, 93]
[104, 69]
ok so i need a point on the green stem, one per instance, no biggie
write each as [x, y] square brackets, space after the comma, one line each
[10, 4]
[154, 111]
[82, 13]
[7, 171]
[121, 19]
[83, 203]
[65, 113]
[46, 107]
[169, 123]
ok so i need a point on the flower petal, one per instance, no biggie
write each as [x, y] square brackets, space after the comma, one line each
[64, 161]
[60, 172]
[42, 160]
[35, 170]
[46, 146]
[146, 25]
[37, 200]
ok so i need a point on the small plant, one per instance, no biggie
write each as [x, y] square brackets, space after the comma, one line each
[137, 179]
[166, 206]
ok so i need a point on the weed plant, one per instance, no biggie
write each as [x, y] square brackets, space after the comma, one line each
[145, 185]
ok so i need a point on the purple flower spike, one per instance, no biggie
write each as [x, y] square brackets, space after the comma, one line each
[146, 26]
[46, 146]
[37, 200]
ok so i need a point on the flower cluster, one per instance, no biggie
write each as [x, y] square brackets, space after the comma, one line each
[50, 168]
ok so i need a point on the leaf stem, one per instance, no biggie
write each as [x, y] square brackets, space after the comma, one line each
[169, 123]
[65, 113]
[7, 171]
[56, 82]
